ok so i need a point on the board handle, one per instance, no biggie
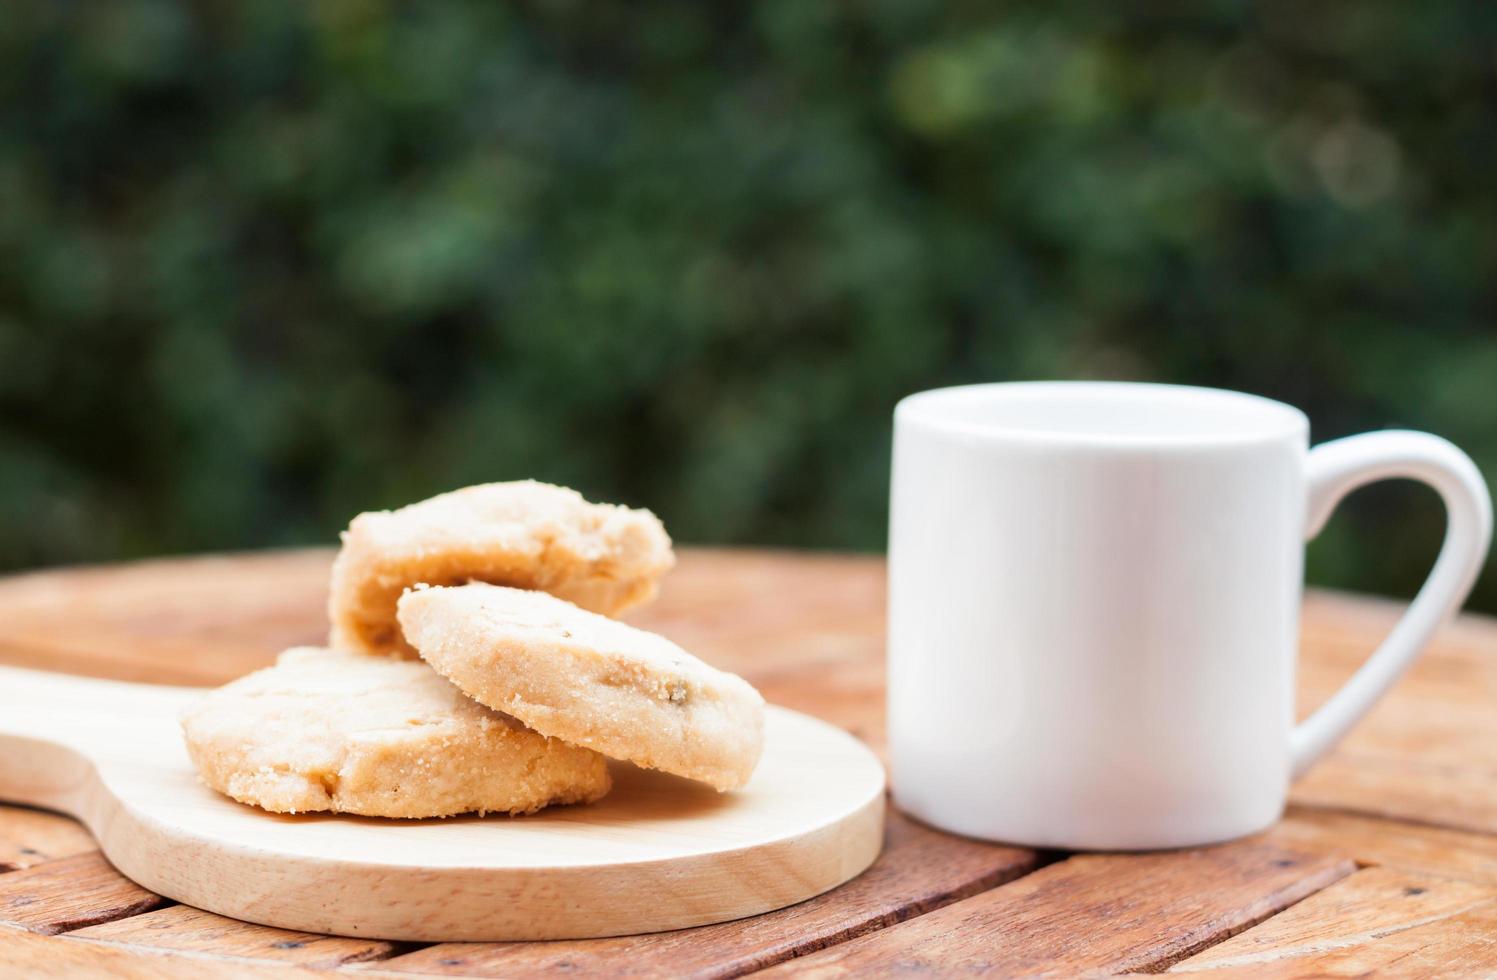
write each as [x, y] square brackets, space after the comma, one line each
[53, 727]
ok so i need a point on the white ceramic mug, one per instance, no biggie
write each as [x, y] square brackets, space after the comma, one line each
[1094, 595]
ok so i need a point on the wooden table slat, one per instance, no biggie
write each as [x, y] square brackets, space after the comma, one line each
[29, 837]
[920, 870]
[181, 927]
[71, 893]
[1363, 909]
[25, 954]
[199, 620]
[1091, 914]
[1414, 848]
[1428, 751]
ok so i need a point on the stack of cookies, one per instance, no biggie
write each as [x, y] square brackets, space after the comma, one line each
[474, 665]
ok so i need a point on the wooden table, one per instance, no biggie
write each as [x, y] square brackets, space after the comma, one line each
[1387, 860]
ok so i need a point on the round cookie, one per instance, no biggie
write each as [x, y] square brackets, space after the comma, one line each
[590, 680]
[529, 535]
[341, 731]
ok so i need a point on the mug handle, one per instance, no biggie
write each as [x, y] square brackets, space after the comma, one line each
[1336, 468]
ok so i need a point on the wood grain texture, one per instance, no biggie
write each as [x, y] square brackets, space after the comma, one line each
[184, 928]
[24, 954]
[1414, 789]
[70, 893]
[1364, 909]
[1415, 848]
[807, 629]
[172, 621]
[1095, 914]
[920, 870]
[29, 837]
[1428, 751]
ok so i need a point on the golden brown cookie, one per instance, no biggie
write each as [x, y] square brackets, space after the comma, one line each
[589, 680]
[341, 731]
[529, 535]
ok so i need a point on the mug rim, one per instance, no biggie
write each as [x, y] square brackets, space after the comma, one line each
[1254, 419]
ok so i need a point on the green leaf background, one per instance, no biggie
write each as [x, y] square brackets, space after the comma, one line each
[264, 265]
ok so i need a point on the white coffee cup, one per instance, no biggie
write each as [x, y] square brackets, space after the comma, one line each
[1094, 595]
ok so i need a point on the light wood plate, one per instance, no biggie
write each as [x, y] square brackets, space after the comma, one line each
[657, 853]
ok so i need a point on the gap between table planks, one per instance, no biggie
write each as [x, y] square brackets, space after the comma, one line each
[1407, 805]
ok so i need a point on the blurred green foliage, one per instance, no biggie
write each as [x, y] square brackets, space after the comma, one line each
[263, 265]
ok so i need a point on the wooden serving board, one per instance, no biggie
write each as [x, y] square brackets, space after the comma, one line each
[657, 853]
